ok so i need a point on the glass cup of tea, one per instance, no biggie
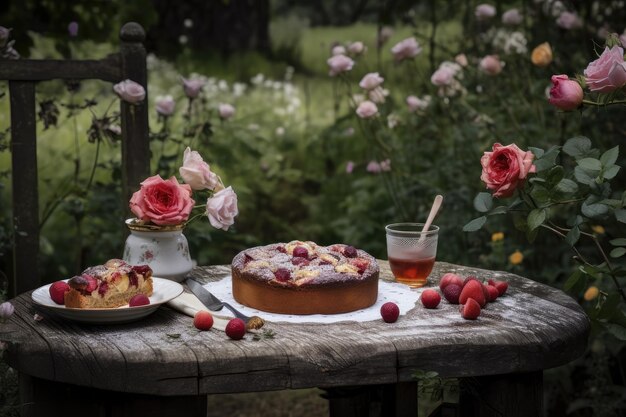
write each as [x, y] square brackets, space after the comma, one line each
[411, 252]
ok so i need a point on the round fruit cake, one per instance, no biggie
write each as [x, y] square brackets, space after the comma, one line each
[304, 278]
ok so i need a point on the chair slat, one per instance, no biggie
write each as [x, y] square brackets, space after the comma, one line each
[25, 189]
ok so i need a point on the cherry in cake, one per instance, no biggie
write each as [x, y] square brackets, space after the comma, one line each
[305, 278]
[110, 285]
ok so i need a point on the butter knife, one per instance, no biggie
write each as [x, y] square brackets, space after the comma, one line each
[215, 304]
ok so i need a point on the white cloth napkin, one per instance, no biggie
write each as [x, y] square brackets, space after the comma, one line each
[187, 303]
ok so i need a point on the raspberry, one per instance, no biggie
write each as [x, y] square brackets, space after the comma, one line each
[448, 279]
[473, 289]
[58, 290]
[203, 320]
[502, 287]
[470, 310]
[389, 312]
[300, 261]
[470, 278]
[430, 298]
[452, 293]
[139, 300]
[300, 252]
[282, 274]
[349, 252]
[493, 293]
[236, 329]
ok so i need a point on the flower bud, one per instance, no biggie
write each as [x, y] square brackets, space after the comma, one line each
[565, 94]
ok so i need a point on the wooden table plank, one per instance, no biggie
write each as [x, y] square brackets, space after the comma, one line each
[524, 331]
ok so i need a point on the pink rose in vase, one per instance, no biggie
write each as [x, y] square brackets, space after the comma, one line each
[505, 168]
[197, 173]
[162, 202]
[221, 209]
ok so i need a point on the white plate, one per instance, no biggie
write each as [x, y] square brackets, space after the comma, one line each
[163, 291]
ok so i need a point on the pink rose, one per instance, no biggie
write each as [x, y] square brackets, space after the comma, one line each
[373, 167]
[491, 65]
[407, 48]
[130, 91]
[622, 39]
[221, 209]
[461, 59]
[338, 50]
[162, 202]
[197, 173]
[569, 20]
[165, 105]
[416, 103]
[366, 110]
[512, 17]
[339, 64]
[193, 86]
[226, 111]
[443, 76]
[349, 167]
[356, 48]
[371, 81]
[608, 72]
[505, 168]
[72, 29]
[385, 165]
[384, 35]
[484, 11]
[565, 94]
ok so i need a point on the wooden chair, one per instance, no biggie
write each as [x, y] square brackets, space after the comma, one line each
[23, 75]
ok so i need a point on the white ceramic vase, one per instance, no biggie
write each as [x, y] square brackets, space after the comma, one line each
[163, 248]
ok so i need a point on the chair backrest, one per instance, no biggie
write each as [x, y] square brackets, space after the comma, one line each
[23, 75]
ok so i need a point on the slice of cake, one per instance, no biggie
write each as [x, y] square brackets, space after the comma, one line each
[304, 278]
[107, 286]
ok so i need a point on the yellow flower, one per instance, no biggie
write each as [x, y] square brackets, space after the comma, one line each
[516, 257]
[542, 55]
[598, 230]
[591, 293]
[496, 237]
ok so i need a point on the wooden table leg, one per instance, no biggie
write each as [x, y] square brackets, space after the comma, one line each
[388, 400]
[41, 397]
[510, 395]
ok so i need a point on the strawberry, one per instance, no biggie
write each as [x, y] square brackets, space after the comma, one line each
[203, 320]
[493, 293]
[470, 310]
[502, 287]
[360, 263]
[491, 282]
[389, 312]
[470, 278]
[430, 298]
[473, 289]
[236, 329]
[452, 293]
[448, 279]
[58, 290]
[486, 292]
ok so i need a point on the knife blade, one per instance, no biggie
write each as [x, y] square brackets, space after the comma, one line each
[205, 297]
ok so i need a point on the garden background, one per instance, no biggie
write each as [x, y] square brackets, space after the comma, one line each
[305, 166]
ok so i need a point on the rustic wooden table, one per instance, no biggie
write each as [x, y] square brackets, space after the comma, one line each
[144, 368]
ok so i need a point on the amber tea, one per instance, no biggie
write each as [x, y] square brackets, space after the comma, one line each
[411, 252]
